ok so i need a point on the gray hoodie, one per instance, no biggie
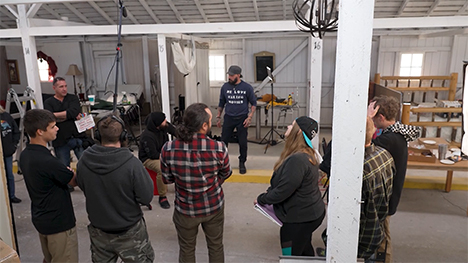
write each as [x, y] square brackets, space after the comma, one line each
[115, 183]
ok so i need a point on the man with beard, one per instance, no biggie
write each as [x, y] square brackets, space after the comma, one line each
[236, 95]
[198, 166]
[151, 141]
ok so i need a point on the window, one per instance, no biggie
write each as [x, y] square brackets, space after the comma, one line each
[44, 71]
[217, 68]
[411, 64]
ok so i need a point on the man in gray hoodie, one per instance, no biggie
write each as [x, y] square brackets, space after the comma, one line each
[115, 184]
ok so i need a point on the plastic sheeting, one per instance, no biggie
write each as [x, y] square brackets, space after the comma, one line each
[184, 63]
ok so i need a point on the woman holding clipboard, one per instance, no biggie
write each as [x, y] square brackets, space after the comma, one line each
[294, 191]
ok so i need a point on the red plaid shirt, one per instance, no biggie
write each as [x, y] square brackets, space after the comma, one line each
[198, 168]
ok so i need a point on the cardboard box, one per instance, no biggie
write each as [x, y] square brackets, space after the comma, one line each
[7, 254]
[448, 104]
[432, 146]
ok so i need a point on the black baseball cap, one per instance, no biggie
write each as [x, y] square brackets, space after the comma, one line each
[234, 70]
[309, 128]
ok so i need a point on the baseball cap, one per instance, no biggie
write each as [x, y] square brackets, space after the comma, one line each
[233, 70]
[309, 128]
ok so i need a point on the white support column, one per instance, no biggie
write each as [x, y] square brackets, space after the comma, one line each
[165, 99]
[30, 55]
[349, 126]
[315, 82]
[146, 70]
[6, 223]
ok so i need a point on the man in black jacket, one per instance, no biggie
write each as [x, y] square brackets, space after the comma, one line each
[66, 108]
[394, 138]
[115, 184]
[151, 142]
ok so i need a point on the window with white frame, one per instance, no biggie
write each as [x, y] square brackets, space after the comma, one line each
[44, 70]
[217, 68]
[411, 64]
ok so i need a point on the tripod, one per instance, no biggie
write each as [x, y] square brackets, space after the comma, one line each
[123, 12]
[271, 132]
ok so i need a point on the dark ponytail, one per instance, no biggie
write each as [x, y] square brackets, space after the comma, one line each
[194, 117]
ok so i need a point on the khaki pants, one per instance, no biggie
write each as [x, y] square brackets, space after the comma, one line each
[155, 165]
[187, 230]
[60, 247]
[131, 246]
[387, 241]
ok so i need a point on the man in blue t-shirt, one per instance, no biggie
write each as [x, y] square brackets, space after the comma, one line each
[235, 96]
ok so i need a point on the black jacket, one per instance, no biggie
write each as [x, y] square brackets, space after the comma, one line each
[10, 134]
[152, 140]
[294, 191]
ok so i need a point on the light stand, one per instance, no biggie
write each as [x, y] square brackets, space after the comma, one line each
[123, 12]
[271, 132]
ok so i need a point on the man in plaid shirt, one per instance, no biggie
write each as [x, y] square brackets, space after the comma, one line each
[377, 178]
[198, 166]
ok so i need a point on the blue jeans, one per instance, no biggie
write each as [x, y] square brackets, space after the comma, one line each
[63, 152]
[9, 175]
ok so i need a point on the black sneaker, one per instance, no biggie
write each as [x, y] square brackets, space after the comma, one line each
[164, 203]
[242, 169]
[15, 200]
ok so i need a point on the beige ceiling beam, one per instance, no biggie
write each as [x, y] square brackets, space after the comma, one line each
[176, 12]
[77, 13]
[402, 7]
[8, 13]
[150, 12]
[129, 14]
[255, 5]
[200, 9]
[17, 2]
[433, 7]
[33, 10]
[463, 9]
[52, 12]
[103, 14]
[12, 11]
[228, 8]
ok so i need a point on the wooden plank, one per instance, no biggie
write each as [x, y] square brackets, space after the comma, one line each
[436, 110]
[418, 78]
[420, 88]
[436, 124]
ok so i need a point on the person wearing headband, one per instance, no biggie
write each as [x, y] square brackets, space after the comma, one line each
[294, 191]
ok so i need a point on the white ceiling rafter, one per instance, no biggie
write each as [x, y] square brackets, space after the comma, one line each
[52, 12]
[285, 15]
[433, 7]
[8, 14]
[33, 10]
[463, 9]
[255, 5]
[12, 11]
[176, 12]
[150, 12]
[402, 7]
[77, 13]
[200, 9]
[228, 9]
[103, 14]
[129, 14]
[18, 2]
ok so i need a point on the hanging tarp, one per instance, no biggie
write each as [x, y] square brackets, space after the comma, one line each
[183, 63]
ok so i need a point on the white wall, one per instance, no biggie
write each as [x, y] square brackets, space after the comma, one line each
[63, 53]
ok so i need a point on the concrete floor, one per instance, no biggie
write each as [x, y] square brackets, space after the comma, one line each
[430, 225]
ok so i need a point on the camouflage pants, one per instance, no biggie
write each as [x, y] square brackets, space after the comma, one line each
[131, 246]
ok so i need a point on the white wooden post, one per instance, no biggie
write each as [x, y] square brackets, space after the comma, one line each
[315, 82]
[165, 100]
[146, 70]
[30, 55]
[349, 126]
[6, 223]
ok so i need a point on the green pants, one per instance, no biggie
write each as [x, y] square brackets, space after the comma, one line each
[187, 230]
[131, 246]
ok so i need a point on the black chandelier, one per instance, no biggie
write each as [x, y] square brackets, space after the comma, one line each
[316, 16]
